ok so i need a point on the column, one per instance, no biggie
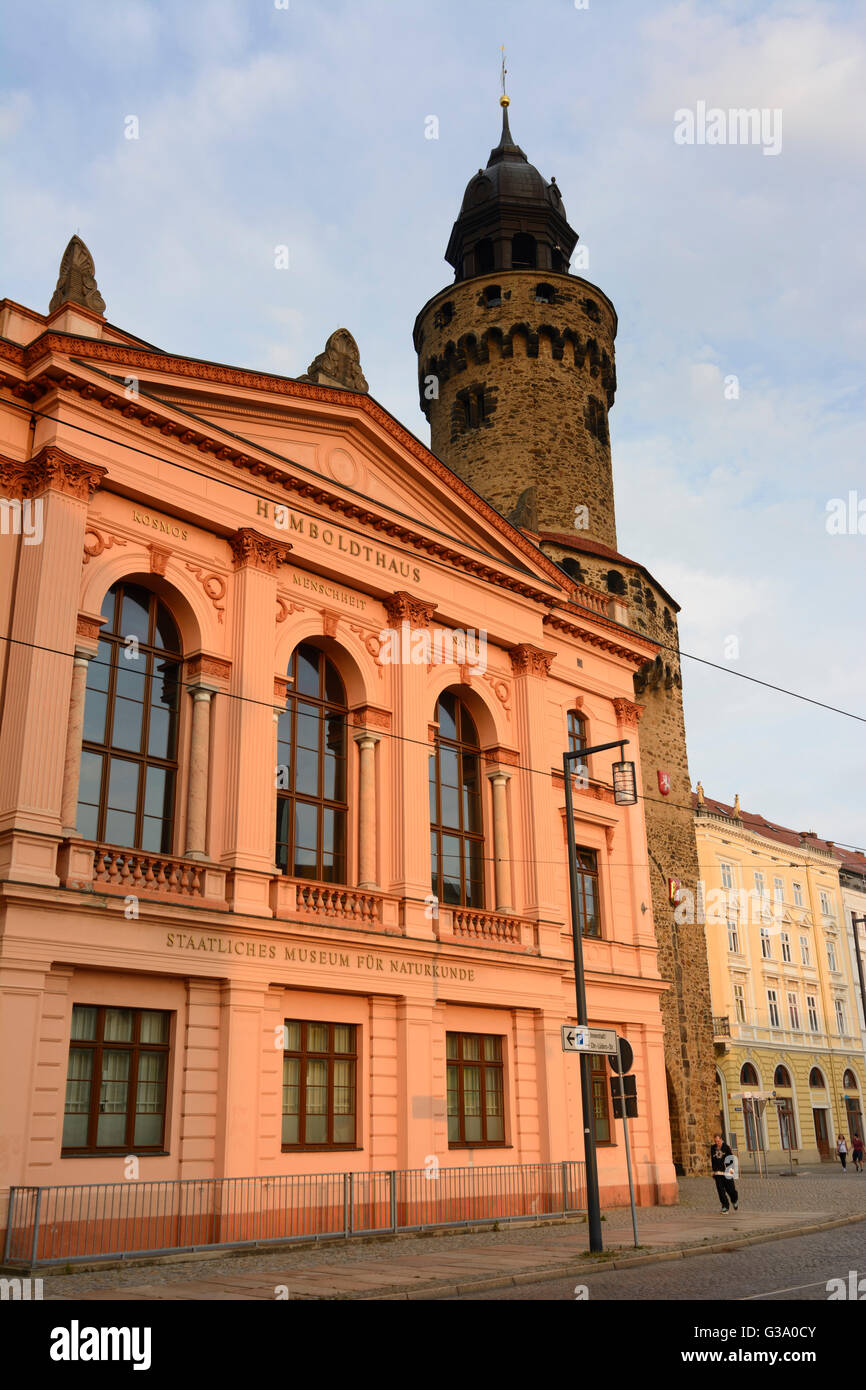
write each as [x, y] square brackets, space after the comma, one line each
[367, 809]
[501, 845]
[531, 666]
[249, 809]
[58, 488]
[199, 750]
[74, 735]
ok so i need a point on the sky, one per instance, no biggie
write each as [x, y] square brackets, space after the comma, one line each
[738, 275]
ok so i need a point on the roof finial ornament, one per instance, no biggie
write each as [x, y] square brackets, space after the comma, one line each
[700, 790]
[503, 100]
[737, 811]
[76, 283]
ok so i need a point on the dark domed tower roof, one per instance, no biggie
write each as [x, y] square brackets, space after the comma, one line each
[509, 199]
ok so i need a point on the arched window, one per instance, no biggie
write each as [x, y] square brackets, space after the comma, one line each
[523, 252]
[544, 294]
[456, 836]
[615, 582]
[748, 1075]
[816, 1079]
[849, 1080]
[576, 732]
[126, 792]
[492, 296]
[782, 1077]
[311, 771]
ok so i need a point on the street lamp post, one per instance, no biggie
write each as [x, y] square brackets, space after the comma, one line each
[625, 794]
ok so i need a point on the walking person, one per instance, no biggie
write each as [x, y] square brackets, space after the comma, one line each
[842, 1151]
[857, 1152]
[724, 1164]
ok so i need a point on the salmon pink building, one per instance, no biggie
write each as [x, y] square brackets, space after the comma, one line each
[283, 876]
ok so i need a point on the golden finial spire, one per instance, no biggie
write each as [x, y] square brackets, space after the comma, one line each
[503, 100]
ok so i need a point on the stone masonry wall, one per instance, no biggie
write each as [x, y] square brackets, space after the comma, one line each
[496, 367]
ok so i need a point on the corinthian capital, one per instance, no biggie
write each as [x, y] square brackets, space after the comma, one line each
[250, 547]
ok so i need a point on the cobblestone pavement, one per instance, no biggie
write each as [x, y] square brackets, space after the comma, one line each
[363, 1267]
[790, 1271]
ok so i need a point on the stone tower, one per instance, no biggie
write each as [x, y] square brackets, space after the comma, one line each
[516, 377]
[517, 339]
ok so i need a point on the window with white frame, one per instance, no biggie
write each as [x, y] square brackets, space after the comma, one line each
[773, 1008]
[812, 1010]
[805, 952]
[798, 895]
[786, 947]
[826, 905]
[733, 937]
[794, 1009]
[779, 889]
[727, 875]
[831, 955]
[739, 1004]
[766, 948]
[841, 1017]
[759, 883]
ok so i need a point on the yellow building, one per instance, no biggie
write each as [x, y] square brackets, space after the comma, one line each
[789, 1050]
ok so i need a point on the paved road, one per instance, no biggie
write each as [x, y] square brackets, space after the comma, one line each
[795, 1270]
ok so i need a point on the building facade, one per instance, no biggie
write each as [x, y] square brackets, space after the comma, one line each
[283, 880]
[517, 375]
[789, 1048]
[852, 877]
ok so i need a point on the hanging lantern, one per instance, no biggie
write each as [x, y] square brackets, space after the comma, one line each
[624, 784]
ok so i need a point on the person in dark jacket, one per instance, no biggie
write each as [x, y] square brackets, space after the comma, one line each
[723, 1167]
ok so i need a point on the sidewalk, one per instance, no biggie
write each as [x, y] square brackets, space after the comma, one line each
[439, 1265]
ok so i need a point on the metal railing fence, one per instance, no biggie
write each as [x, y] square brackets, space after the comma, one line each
[69, 1224]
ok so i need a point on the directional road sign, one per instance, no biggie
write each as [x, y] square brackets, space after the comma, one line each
[577, 1038]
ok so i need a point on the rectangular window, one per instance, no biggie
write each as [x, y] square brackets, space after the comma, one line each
[319, 1063]
[601, 1074]
[588, 912]
[773, 1004]
[116, 1081]
[794, 1009]
[759, 884]
[831, 955]
[476, 1096]
[841, 1018]
[826, 905]
[798, 895]
[786, 947]
[766, 948]
[805, 954]
[812, 1010]
[779, 890]
[739, 1004]
[727, 876]
[733, 938]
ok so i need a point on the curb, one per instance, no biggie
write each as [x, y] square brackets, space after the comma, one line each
[542, 1274]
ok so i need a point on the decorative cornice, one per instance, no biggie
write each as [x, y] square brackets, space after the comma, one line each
[527, 660]
[627, 712]
[405, 607]
[509, 756]
[250, 548]
[88, 627]
[371, 716]
[209, 668]
[636, 658]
